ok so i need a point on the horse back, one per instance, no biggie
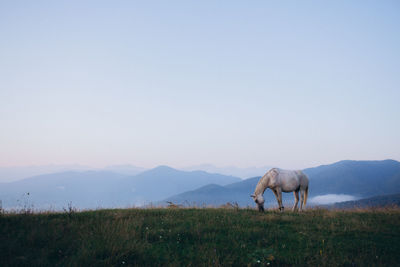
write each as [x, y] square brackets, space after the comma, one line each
[292, 180]
[303, 179]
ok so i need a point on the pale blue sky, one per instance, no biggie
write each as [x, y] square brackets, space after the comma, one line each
[245, 83]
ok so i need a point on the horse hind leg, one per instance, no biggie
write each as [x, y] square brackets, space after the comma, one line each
[296, 199]
[301, 199]
[305, 196]
[277, 197]
[279, 192]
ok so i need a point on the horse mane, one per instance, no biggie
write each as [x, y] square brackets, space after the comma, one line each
[263, 182]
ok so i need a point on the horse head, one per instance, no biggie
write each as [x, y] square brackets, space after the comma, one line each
[259, 200]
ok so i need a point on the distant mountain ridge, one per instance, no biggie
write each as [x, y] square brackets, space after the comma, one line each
[125, 169]
[359, 178]
[107, 189]
[156, 184]
[11, 174]
[230, 170]
[55, 191]
[93, 189]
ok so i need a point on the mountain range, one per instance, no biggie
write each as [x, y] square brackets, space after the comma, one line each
[93, 189]
[108, 189]
[11, 174]
[230, 170]
[359, 179]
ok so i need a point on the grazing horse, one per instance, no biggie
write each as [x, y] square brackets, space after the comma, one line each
[282, 181]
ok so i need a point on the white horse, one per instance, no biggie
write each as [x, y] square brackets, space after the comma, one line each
[282, 181]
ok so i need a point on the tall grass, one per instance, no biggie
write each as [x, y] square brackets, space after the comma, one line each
[201, 237]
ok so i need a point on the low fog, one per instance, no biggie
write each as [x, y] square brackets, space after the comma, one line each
[331, 198]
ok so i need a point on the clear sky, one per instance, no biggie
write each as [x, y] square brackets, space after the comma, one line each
[247, 83]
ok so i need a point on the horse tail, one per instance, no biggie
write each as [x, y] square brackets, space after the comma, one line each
[305, 196]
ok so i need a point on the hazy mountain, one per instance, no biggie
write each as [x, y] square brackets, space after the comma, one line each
[213, 194]
[10, 174]
[92, 189]
[158, 183]
[83, 189]
[231, 170]
[125, 169]
[358, 179]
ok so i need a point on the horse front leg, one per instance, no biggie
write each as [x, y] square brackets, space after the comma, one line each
[280, 200]
[296, 199]
[277, 197]
[278, 194]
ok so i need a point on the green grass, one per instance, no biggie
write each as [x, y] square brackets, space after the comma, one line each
[201, 237]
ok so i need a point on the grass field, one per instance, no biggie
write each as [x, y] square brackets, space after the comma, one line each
[201, 237]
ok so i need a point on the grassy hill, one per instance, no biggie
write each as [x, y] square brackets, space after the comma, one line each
[218, 237]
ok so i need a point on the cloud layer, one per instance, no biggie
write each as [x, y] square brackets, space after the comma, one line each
[331, 198]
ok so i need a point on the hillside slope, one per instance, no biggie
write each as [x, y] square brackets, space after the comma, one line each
[201, 237]
[360, 178]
